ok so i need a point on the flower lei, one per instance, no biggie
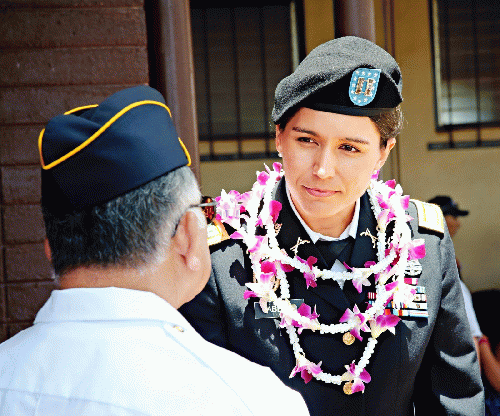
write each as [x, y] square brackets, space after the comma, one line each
[251, 210]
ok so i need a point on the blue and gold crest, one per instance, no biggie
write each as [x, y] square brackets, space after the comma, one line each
[363, 86]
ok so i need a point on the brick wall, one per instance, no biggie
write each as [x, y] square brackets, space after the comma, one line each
[54, 55]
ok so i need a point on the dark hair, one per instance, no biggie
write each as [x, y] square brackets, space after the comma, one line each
[388, 124]
[127, 230]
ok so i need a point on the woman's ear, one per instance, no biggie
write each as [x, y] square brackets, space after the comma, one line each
[278, 139]
[384, 152]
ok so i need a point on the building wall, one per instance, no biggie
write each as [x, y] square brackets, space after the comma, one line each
[55, 55]
[240, 175]
[470, 176]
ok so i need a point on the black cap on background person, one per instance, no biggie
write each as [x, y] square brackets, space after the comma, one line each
[451, 212]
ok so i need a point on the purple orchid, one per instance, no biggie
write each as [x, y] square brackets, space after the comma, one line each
[391, 183]
[357, 381]
[236, 236]
[306, 369]
[268, 267]
[259, 239]
[274, 210]
[371, 263]
[228, 210]
[243, 200]
[375, 174]
[356, 318]
[249, 294]
[389, 203]
[263, 288]
[416, 249]
[286, 267]
[310, 279]
[309, 275]
[403, 294]
[305, 310]
[311, 261]
[360, 277]
[382, 323]
[268, 271]
[262, 178]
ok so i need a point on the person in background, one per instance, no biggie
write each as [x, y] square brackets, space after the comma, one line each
[486, 307]
[481, 314]
[335, 280]
[452, 214]
[128, 241]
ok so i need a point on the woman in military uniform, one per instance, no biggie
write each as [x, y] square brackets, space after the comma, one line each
[347, 290]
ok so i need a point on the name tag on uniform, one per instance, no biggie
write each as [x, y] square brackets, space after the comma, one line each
[273, 311]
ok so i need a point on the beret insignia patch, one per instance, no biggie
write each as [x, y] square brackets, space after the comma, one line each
[363, 85]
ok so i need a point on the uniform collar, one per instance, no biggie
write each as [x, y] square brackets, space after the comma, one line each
[350, 231]
[106, 304]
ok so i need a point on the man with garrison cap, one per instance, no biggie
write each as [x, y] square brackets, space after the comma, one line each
[337, 281]
[128, 242]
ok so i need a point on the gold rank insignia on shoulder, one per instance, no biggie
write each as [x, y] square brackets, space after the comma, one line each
[430, 216]
[216, 233]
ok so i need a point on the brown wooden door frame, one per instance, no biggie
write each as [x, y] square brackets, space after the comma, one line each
[171, 69]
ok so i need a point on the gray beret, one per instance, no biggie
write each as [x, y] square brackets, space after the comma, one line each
[348, 75]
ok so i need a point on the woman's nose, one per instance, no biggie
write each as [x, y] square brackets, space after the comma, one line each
[325, 164]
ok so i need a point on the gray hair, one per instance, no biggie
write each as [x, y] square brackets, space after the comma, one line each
[128, 231]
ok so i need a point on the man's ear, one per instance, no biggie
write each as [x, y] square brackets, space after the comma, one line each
[187, 240]
[48, 251]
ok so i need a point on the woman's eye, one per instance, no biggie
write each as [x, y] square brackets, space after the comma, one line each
[349, 148]
[305, 140]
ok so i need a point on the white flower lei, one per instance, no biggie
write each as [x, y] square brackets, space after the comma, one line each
[388, 205]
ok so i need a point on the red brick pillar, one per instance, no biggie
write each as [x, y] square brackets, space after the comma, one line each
[55, 55]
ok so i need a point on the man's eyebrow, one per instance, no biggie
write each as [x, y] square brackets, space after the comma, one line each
[313, 133]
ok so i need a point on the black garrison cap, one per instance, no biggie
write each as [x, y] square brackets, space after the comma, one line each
[448, 206]
[347, 75]
[92, 154]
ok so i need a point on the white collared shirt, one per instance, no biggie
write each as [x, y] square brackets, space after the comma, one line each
[112, 351]
[350, 231]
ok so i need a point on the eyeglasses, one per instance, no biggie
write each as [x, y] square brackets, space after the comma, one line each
[208, 206]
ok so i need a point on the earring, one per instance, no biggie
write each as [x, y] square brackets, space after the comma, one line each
[279, 154]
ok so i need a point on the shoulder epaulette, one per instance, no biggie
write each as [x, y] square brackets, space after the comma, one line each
[430, 216]
[216, 232]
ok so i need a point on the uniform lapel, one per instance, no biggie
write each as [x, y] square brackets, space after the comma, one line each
[288, 237]
[363, 250]
[363, 247]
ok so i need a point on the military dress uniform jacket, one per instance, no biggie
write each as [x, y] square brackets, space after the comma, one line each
[429, 365]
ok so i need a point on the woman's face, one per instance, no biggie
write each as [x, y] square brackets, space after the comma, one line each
[329, 159]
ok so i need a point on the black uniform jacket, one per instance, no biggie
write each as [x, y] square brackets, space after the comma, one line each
[430, 364]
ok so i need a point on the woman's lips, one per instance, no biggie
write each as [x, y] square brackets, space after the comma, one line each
[319, 192]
